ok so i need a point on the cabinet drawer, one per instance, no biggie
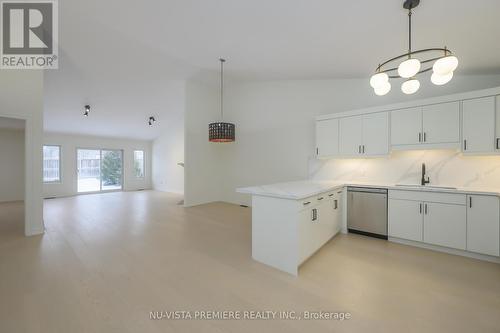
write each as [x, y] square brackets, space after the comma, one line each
[446, 198]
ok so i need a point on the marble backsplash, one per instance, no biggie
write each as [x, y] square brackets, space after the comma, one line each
[444, 167]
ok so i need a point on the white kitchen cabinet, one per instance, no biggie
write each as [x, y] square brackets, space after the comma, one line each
[445, 225]
[405, 219]
[483, 223]
[327, 137]
[478, 125]
[406, 126]
[308, 231]
[366, 135]
[351, 136]
[425, 126]
[441, 123]
[376, 134]
[429, 217]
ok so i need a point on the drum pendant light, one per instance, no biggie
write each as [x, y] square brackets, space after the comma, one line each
[221, 131]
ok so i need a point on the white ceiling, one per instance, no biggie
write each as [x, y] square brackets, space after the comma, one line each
[123, 57]
[11, 123]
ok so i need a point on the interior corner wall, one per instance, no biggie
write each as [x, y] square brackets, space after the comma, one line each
[168, 149]
[69, 144]
[11, 165]
[203, 160]
[275, 124]
[21, 96]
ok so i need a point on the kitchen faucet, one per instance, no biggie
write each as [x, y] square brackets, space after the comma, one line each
[424, 181]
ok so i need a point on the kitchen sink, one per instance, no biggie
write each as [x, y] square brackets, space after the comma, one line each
[427, 186]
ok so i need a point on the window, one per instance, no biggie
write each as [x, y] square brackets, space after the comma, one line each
[139, 163]
[51, 164]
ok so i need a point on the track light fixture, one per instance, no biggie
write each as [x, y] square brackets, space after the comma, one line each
[87, 110]
[151, 121]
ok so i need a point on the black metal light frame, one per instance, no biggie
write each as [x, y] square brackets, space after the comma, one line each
[392, 72]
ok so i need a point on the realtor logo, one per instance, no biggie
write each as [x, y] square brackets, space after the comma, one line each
[29, 35]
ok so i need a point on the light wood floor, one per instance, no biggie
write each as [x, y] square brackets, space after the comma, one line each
[107, 260]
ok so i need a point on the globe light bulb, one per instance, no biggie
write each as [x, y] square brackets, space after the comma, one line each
[439, 80]
[409, 68]
[445, 65]
[378, 80]
[383, 89]
[410, 86]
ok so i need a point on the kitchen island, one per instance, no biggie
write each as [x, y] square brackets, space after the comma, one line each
[291, 221]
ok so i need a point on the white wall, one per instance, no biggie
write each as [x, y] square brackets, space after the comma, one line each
[168, 148]
[11, 165]
[275, 124]
[203, 160]
[69, 144]
[21, 96]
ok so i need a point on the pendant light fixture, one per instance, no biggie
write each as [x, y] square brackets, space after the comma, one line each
[440, 60]
[87, 110]
[221, 131]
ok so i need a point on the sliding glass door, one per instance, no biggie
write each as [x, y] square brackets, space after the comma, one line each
[99, 170]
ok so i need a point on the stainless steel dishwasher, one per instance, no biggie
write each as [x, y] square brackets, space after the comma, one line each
[367, 211]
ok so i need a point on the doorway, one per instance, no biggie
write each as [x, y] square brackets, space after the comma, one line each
[99, 170]
[12, 177]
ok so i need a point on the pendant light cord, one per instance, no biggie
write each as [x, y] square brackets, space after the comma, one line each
[409, 32]
[222, 88]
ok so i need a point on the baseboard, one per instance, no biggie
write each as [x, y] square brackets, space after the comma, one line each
[446, 250]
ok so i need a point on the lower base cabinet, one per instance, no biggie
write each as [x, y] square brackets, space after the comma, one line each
[318, 223]
[405, 219]
[457, 221]
[483, 227]
[445, 225]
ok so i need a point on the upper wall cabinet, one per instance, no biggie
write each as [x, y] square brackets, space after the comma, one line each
[327, 138]
[406, 126]
[478, 125]
[430, 126]
[366, 135]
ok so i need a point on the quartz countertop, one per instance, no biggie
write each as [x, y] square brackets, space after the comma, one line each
[298, 190]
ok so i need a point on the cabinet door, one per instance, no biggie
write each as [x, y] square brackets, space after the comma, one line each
[406, 126]
[337, 204]
[478, 125]
[497, 117]
[445, 225]
[351, 135]
[307, 233]
[376, 134]
[326, 215]
[441, 123]
[327, 137]
[483, 223]
[405, 219]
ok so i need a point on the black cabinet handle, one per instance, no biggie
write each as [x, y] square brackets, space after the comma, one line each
[359, 149]
[465, 144]
[363, 149]
[320, 198]
[330, 195]
[470, 202]
[425, 207]
[336, 204]
[425, 136]
[317, 151]
[420, 208]
[306, 203]
[419, 137]
[497, 143]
